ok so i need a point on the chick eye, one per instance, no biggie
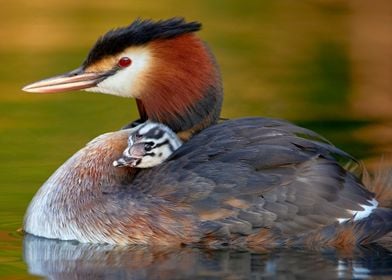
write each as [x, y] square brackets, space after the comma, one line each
[137, 136]
[147, 147]
[124, 62]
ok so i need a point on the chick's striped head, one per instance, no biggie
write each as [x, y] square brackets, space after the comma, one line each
[149, 144]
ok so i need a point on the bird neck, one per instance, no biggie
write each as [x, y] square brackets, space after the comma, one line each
[185, 91]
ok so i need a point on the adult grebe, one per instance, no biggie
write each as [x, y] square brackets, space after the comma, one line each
[249, 182]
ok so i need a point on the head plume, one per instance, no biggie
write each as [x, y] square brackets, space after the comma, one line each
[138, 33]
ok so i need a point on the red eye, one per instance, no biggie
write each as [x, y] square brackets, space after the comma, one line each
[124, 62]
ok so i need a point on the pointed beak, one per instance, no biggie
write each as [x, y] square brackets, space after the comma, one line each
[126, 161]
[74, 80]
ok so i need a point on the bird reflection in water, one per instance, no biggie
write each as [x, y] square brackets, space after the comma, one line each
[56, 259]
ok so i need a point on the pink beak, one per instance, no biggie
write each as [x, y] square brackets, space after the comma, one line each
[73, 80]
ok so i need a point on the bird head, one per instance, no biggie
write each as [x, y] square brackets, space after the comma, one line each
[162, 64]
[149, 144]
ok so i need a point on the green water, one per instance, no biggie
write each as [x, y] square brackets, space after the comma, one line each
[311, 62]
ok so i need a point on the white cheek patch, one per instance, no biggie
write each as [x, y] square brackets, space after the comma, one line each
[127, 82]
[149, 161]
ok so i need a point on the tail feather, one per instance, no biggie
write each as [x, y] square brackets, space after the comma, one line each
[371, 229]
[381, 185]
[375, 226]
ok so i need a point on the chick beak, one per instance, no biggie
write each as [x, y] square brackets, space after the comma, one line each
[73, 80]
[126, 161]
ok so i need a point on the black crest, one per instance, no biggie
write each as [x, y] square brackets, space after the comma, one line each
[138, 33]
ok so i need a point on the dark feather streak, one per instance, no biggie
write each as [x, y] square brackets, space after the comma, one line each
[138, 33]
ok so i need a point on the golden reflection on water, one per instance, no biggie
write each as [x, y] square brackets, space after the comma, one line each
[323, 64]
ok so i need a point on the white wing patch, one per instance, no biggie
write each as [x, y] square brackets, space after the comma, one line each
[359, 215]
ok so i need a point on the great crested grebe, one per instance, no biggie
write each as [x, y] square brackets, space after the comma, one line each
[149, 145]
[250, 182]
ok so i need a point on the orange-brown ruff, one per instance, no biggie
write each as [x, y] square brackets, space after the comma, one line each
[252, 182]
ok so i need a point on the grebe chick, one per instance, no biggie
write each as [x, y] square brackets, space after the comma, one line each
[149, 145]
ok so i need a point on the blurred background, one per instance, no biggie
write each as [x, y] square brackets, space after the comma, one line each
[326, 65]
